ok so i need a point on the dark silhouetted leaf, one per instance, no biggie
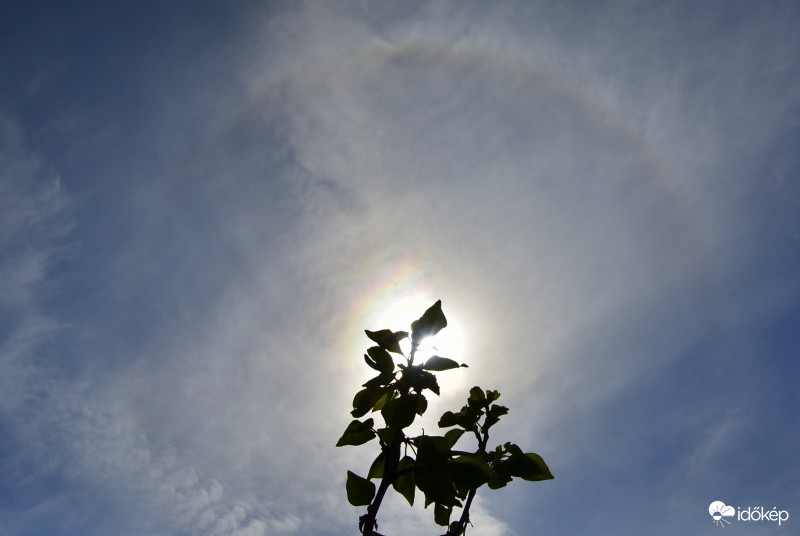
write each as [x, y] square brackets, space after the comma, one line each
[502, 478]
[377, 467]
[400, 412]
[433, 475]
[441, 514]
[432, 448]
[477, 394]
[439, 363]
[453, 435]
[388, 340]
[357, 433]
[494, 414]
[404, 484]
[467, 418]
[448, 419]
[365, 399]
[383, 361]
[418, 379]
[427, 381]
[360, 491]
[422, 403]
[384, 399]
[492, 395]
[471, 471]
[384, 378]
[528, 466]
[429, 324]
[467, 477]
[438, 486]
[370, 362]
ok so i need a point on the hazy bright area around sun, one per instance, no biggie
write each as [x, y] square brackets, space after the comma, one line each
[203, 205]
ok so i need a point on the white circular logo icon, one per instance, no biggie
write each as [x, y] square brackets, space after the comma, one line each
[719, 511]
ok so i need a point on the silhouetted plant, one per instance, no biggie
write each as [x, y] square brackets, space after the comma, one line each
[447, 478]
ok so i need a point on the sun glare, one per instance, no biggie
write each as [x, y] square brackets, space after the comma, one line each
[396, 311]
[398, 315]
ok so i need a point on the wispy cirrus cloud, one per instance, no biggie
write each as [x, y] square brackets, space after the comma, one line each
[34, 222]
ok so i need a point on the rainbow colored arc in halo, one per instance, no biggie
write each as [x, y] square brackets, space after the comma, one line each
[393, 298]
[498, 63]
[393, 280]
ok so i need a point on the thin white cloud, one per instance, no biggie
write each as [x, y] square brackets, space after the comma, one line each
[33, 224]
[598, 195]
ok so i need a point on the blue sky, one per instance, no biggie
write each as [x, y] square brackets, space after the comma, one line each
[203, 205]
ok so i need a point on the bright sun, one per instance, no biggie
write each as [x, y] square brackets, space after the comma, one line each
[396, 311]
[398, 315]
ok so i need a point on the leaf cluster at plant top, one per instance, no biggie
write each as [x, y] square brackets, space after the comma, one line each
[446, 477]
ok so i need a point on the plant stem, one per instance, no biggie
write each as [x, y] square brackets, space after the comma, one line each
[483, 439]
[389, 474]
[464, 519]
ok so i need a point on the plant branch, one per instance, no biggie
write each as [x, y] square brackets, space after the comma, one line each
[483, 439]
[389, 475]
